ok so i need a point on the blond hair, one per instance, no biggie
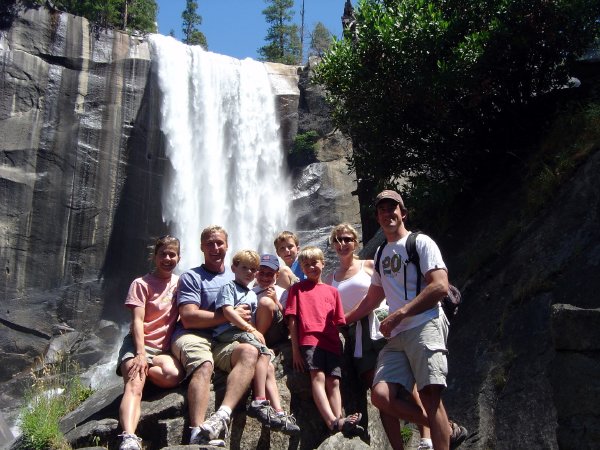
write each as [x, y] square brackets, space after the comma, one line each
[212, 229]
[309, 253]
[284, 236]
[248, 257]
[343, 228]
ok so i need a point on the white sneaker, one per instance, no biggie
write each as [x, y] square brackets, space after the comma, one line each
[130, 442]
[196, 437]
[212, 428]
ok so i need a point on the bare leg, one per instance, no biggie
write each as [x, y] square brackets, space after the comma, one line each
[272, 389]
[165, 372]
[260, 376]
[385, 398]
[332, 387]
[320, 398]
[424, 430]
[392, 428]
[243, 361]
[131, 403]
[438, 419]
[264, 314]
[198, 393]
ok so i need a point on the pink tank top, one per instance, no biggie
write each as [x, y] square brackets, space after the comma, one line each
[354, 289]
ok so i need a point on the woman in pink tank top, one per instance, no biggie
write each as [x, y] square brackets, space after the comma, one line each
[145, 352]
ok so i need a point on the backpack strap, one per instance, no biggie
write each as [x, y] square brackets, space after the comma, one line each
[378, 253]
[413, 257]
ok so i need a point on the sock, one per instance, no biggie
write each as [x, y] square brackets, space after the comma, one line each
[195, 432]
[427, 441]
[225, 412]
[258, 400]
[280, 412]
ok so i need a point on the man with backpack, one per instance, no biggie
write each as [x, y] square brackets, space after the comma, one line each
[416, 328]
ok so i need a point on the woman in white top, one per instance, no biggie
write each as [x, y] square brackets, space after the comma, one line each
[352, 278]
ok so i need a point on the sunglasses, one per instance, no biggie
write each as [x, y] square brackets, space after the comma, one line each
[344, 240]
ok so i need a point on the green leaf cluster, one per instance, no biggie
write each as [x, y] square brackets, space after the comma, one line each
[120, 14]
[191, 21]
[303, 151]
[430, 88]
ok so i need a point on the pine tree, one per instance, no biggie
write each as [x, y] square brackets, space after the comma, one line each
[320, 40]
[283, 40]
[192, 20]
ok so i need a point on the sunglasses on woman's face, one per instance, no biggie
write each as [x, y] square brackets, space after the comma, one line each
[344, 239]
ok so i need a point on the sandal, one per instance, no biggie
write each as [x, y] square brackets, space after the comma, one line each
[350, 426]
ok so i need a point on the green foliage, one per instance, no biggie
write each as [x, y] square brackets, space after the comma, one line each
[283, 39]
[120, 14]
[436, 89]
[320, 40]
[56, 390]
[303, 149]
[406, 432]
[573, 137]
[141, 15]
[191, 21]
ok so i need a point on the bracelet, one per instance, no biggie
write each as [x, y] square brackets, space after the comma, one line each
[250, 329]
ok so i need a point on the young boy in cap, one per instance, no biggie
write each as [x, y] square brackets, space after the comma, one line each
[271, 302]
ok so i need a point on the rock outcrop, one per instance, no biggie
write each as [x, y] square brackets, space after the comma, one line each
[164, 421]
[81, 170]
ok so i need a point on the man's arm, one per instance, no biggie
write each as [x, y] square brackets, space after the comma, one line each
[374, 296]
[437, 287]
[194, 318]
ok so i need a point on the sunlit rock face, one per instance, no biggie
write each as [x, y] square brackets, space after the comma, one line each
[83, 168]
[77, 127]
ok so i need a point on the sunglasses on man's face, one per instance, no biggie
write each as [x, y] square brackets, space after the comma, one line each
[344, 240]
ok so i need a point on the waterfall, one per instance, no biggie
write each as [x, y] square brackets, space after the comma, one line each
[221, 132]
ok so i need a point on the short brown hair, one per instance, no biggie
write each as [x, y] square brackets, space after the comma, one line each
[284, 236]
[161, 241]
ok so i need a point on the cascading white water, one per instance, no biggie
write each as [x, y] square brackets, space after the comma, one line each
[220, 125]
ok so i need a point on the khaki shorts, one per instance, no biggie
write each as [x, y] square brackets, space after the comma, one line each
[192, 350]
[278, 332]
[418, 354]
[222, 353]
[127, 351]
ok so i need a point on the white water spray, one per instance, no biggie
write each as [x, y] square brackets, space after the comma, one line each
[221, 129]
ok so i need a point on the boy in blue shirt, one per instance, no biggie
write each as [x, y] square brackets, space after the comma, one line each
[266, 404]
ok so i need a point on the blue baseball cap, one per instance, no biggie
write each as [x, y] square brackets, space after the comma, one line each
[270, 261]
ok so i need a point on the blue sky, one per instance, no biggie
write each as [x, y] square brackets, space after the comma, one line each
[237, 27]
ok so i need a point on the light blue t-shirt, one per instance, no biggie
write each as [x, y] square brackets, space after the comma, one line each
[200, 286]
[234, 294]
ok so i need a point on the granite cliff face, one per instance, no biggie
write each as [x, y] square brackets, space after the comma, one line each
[74, 107]
[81, 172]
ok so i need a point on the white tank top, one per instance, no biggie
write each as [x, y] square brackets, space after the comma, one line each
[354, 289]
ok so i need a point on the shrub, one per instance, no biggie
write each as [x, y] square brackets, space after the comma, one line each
[303, 150]
[56, 389]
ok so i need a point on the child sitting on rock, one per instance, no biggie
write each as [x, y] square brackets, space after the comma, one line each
[314, 311]
[266, 403]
